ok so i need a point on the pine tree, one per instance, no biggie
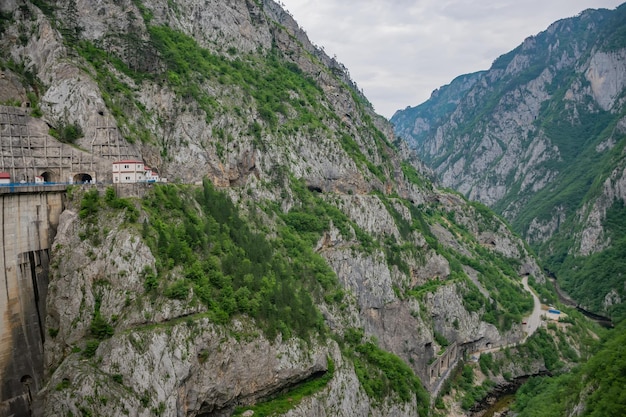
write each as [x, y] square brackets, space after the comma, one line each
[73, 29]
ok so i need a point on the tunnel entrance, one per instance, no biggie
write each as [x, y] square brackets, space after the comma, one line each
[27, 381]
[49, 177]
[82, 178]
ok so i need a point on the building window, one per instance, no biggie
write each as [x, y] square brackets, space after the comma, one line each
[126, 166]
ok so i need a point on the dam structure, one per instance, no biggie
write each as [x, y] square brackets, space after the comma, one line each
[30, 216]
[39, 168]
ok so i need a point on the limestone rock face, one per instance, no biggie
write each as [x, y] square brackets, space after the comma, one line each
[447, 304]
[511, 141]
[184, 133]
[607, 75]
[165, 355]
[11, 87]
[593, 237]
[341, 400]
[157, 362]
[180, 368]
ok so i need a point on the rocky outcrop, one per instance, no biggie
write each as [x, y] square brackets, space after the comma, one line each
[164, 354]
[340, 400]
[72, 94]
[186, 368]
[606, 74]
[593, 237]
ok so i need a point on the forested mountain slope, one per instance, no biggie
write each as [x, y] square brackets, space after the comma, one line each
[539, 137]
[294, 262]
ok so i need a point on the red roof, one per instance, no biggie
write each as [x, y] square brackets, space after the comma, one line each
[129, 161]
[4, 175]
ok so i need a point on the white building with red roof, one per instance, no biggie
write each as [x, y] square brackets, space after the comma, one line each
[129, 171]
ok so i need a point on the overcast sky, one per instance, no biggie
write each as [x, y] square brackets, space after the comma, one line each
[399, 51]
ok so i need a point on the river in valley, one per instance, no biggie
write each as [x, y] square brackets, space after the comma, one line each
[499, 407]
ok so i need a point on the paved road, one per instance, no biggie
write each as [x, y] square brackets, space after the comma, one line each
[534, 319]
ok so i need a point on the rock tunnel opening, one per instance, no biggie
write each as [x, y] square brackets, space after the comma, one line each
[82, 178]
[314, 188]
[49, 176]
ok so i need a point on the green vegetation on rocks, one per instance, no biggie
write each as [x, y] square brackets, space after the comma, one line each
[284, 402]
[607, 268]
[231, 268]
[383, 374]
[540, 139]
[312, 185]
[597, 386]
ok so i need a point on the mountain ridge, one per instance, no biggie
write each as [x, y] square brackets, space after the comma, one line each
[539, 139]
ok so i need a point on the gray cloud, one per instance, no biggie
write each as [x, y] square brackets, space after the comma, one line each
[399, 51]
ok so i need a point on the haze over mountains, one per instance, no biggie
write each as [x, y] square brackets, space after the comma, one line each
[399, 51]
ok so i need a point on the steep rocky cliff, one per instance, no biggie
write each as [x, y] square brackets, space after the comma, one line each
[539, 137]
[296, 249]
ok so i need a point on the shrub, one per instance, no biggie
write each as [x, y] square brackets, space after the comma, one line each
[89, 204]
[150, 279]
[440, 339]
[90, 348]
[67, 133]
[178, 290]
[100, 328]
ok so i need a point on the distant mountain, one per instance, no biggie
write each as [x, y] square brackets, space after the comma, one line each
[539, 137]
[416, 124]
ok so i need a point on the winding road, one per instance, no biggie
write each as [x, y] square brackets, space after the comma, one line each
[533, 321]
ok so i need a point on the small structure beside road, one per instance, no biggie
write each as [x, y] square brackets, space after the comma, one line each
[551, 313]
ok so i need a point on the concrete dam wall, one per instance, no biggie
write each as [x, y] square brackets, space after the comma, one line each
[30, 217]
